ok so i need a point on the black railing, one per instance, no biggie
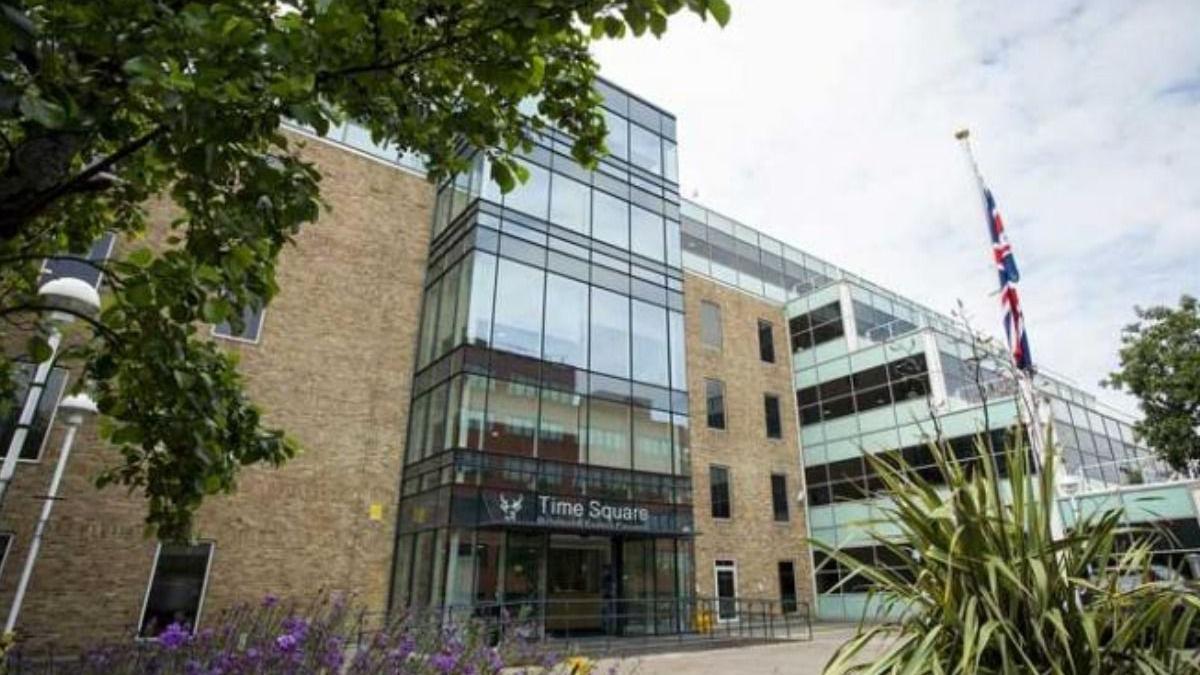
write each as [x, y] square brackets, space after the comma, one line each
[621, 624]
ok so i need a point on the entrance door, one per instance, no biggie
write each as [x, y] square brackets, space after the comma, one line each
[726, 574]
[580, 585]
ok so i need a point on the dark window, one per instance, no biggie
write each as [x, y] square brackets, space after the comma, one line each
[710, 325]
[714, 396]
[771, 411]
[816, 327]
[787, 587]
[57, 268]
[5, 543]
[251, 330]
[726, 573]
[779, 497]
[43, 414]
[176, 587]
[766, 341]
[718, 477]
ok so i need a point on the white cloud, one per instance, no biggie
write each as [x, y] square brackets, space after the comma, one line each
[830, 125]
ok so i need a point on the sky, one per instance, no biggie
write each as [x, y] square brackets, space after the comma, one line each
[830, 125]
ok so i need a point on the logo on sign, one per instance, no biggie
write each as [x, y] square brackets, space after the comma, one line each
[511, 508]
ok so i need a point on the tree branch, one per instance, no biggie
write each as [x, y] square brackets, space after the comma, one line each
[107, 332]
[12, 220]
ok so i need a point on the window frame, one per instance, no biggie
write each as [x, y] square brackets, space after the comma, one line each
[776, 501]
[767, 399]
[212, 552]
[9, 537]
[728, 501]
[722, 565]
[705, 306]
[708, 414]
[766, 348]
[257, 339]
[795, 597]
[45, 439]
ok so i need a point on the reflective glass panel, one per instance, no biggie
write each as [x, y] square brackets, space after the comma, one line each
[483, 287]
[570, 204]
[532, 196]
[512, 417]
[645, 149]
[650, 358]
[651, 440]
[610, 333]
[561, 429]
[518, 316]
[610, 219]
[608, 434]
[566, 321]
[646, 234]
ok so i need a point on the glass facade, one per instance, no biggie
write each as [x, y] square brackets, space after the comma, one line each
[549, 419]
[875, 373]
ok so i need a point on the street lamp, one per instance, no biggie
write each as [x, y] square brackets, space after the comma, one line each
[68, 297]
[1068, 485]
[75, 408]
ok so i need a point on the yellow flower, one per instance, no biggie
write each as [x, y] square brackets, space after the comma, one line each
[579, 665]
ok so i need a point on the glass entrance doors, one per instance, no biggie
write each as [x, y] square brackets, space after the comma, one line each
[581, 585]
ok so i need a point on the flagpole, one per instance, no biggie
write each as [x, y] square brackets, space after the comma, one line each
[1030, 410]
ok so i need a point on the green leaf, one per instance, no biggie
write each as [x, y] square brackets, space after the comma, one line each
[720, 11]
[46, 113]
[38, 349]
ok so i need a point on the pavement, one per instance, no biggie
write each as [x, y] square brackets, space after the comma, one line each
[782, 658]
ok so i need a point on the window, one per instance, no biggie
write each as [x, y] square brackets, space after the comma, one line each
[678, 351]
[651, 362]
[532, 196]
[787, 587]
[646, 234]
[57, 268]
[566, 322]
[570, 204]
[617, 139]
[251, 331]
[766, 341]
[779, 497]
[726, 579]
[819, 326]
[645, 149]
[518, 321]
[710, 325]
[610, 333]
[718, 478]
[771, 412]
[176, 590]
[610, 219]
[43, 414]
[5, 544]
[714, 397]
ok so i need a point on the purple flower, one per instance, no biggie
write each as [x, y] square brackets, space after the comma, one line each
[334, 655]
[174, 637]
[296, 626]
[407, 646]
[444, 662]
[495, 661]
[270, 600]
[287, 643]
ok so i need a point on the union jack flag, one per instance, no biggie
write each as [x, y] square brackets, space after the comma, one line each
[1006, 267]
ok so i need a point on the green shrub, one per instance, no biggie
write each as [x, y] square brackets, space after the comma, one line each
[985, 586]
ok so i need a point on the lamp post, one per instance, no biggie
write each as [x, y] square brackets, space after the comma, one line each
[74, 409]
[69, 296]
[1069, 484]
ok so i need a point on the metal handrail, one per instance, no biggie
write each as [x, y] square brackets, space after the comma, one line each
[608, 624]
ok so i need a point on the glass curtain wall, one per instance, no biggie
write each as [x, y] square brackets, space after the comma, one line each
[551, 347]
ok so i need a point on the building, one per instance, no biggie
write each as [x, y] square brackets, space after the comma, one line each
[586, 391]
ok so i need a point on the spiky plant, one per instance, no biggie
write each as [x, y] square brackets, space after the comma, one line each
[986, 587]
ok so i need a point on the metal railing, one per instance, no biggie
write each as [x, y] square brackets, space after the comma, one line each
[595, 625]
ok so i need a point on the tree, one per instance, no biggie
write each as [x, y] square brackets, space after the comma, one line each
[1160, 365]
[106, 105]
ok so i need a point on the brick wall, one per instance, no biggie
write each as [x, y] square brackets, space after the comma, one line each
[751, 537]
[333, 367]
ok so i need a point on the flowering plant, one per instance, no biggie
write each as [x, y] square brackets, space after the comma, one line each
[327, 634]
